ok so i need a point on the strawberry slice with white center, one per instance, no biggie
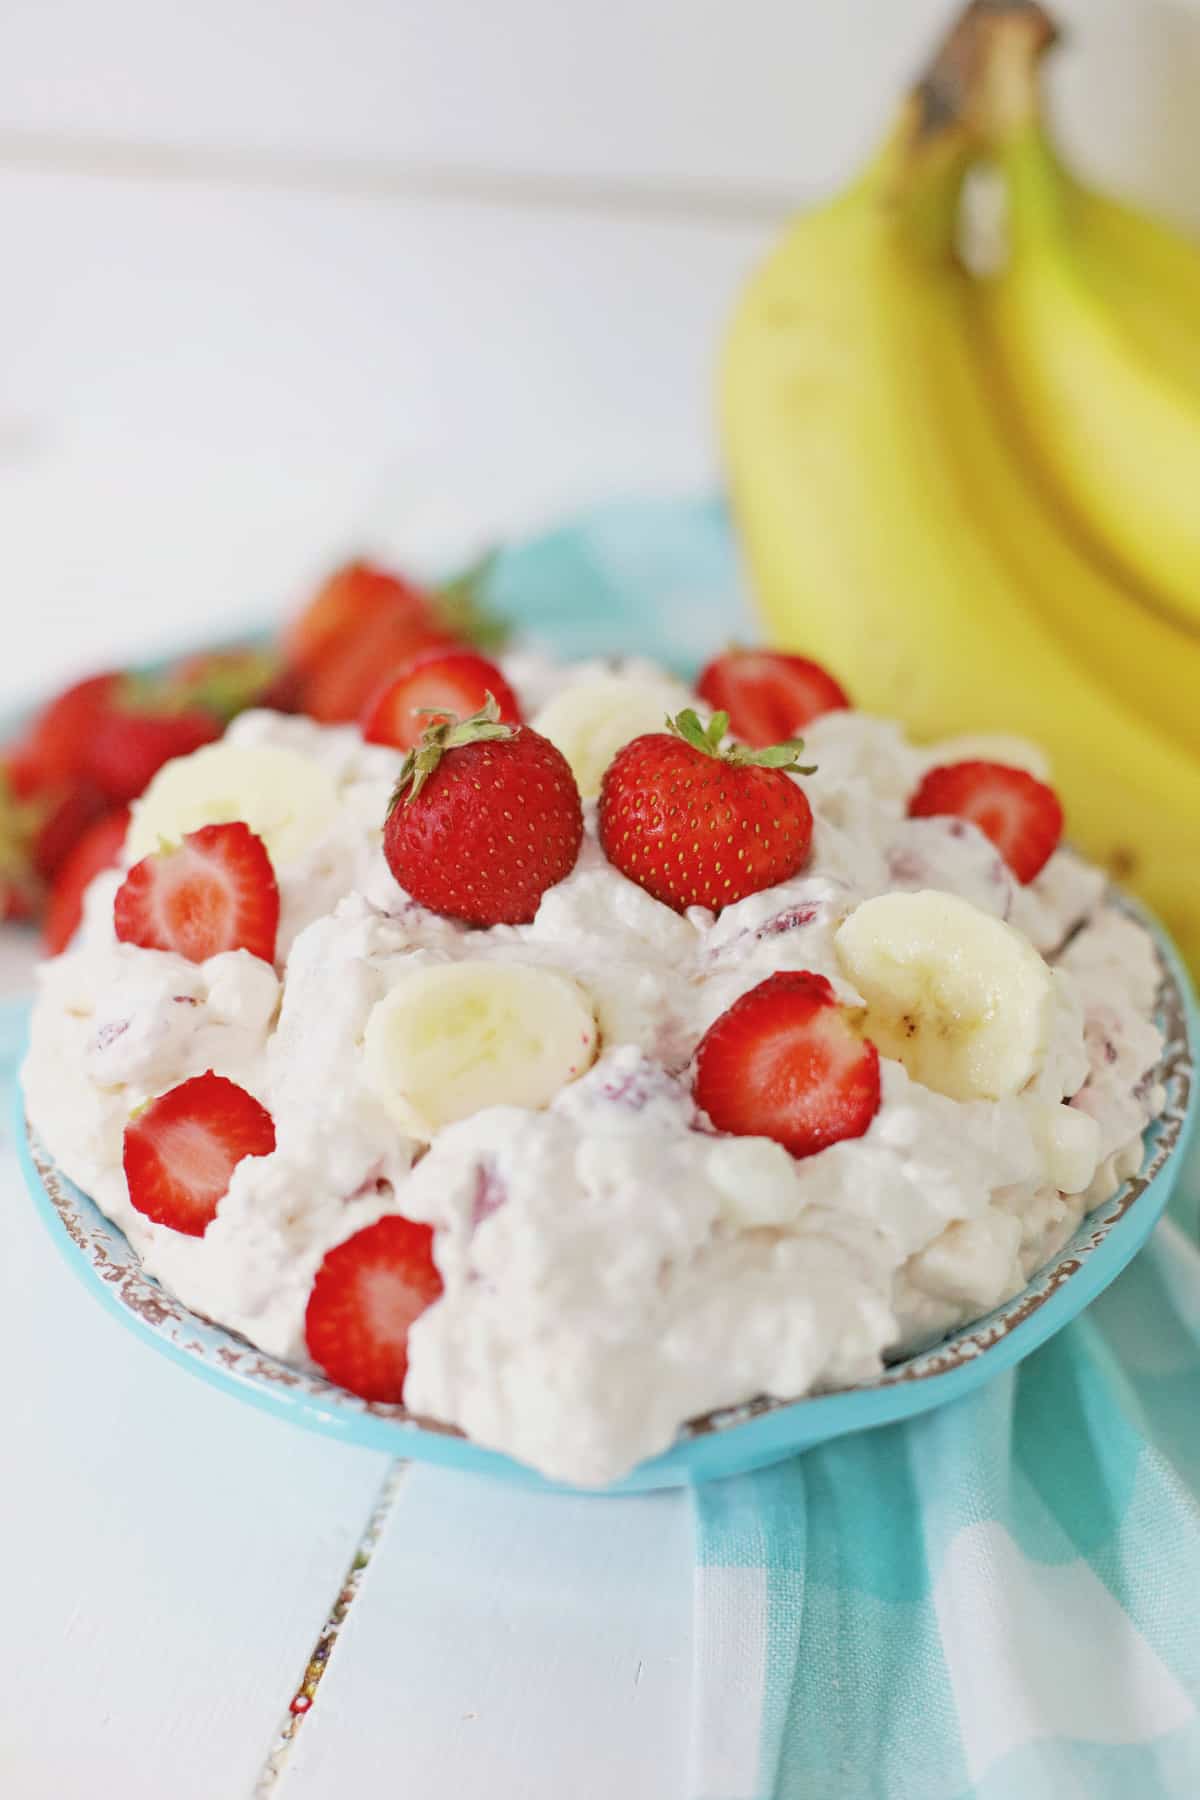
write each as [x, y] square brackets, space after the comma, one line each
[214, 892]
[786, 1062]
[367, 1293]
[182, 1148]
[437, 686]
[1020, 814]
[769, 694]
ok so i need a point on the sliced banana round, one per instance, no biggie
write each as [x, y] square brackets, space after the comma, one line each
[289, 799]
[959, 997]
[591, 720]
[452, 1038]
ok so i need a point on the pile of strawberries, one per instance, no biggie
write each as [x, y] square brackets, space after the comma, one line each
[66, 784]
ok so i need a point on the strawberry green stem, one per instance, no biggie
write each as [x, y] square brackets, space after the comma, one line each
[450, 734]
[709, 740]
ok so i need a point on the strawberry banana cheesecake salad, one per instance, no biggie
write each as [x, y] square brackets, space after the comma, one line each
[567, 1053]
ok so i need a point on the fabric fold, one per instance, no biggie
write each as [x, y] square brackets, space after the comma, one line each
[994, 1601]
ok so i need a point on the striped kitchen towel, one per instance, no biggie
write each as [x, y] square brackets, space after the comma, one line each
[997, 1601]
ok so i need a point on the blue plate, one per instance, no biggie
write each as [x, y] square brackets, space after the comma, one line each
[660, 579]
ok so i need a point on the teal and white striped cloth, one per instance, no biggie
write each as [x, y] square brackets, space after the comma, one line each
[999, 1600]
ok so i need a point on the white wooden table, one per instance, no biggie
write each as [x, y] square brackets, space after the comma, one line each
[278, 283]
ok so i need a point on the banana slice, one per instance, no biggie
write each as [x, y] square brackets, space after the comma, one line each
[287, 798]
[450, 1039]
[960, 998]
[590, 721]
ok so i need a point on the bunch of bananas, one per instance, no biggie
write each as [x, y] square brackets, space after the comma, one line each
[976, 497]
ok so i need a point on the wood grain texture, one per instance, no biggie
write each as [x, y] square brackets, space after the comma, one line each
[168, 1557]
[510, 1646]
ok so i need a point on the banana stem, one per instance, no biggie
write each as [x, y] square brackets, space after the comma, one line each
[917, 176]
[985, 68]
[988, 70]
[981, 85]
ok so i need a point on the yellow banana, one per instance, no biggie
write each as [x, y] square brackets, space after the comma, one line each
[1114, 431]
[862, 447]
[1138, 651]
[1146, 272]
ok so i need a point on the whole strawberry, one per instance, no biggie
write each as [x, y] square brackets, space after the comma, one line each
[59, 740]
[226, 682]
[696, 824]
[144, 727]
[98, 848]
[485, 818]
[40, 819]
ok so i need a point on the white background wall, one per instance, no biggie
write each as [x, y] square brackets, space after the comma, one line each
[276, 279]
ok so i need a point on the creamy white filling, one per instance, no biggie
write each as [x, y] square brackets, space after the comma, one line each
[611, 1266]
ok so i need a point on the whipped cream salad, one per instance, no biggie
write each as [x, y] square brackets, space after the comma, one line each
[612, 1259]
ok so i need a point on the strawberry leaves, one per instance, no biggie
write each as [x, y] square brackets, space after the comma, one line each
[710, 738]
[447, 734]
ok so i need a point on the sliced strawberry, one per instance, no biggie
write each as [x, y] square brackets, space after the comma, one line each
[215, 892]
[367, 1293]
[182, 1148]
[99, 848]
[438, 685]
[769, 694]
[132, 741]
[785, 1062]
[1020, 814]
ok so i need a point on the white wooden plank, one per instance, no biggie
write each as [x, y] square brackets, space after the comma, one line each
[769, 97]
[209, 393]
[691, 89]
[168, 1555]
[510, 1646]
